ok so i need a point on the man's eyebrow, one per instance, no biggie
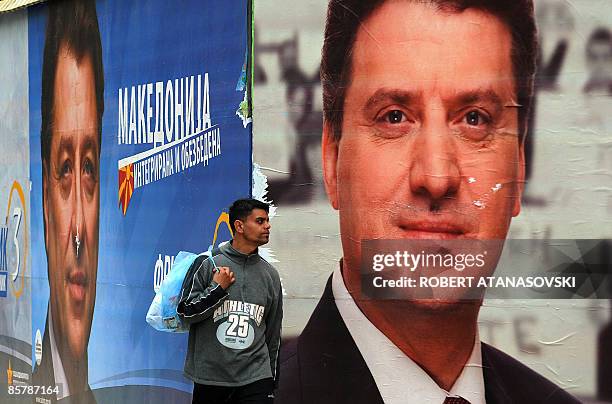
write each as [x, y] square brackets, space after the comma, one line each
[396, 96]
[480, 96]
[89, 143]
[66, 144]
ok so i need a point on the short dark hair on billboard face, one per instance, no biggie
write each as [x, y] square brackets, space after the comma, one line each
[345, 16]
[74, 25]
[242, 208]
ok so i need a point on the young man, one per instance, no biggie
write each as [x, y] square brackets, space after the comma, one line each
[233, 303]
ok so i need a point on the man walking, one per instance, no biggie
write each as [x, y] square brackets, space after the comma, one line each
[233, 304]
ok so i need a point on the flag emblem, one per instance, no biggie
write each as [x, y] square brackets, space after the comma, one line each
[126, 186]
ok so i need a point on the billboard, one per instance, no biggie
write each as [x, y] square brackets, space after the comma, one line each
[128, 139]
[386, 168]
[15, 247]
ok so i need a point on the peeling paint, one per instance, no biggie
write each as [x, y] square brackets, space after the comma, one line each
[259, 190]
[243, 111]
[479, 204]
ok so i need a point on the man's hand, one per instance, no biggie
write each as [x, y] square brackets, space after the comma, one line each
[224, 277]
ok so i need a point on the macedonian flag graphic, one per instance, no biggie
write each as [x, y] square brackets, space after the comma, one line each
[126, 186]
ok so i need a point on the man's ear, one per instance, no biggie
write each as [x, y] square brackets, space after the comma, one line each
[520, 180]
[239, 226]
[329, 153]
[45, 182]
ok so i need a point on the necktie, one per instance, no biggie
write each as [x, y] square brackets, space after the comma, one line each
[456, 400]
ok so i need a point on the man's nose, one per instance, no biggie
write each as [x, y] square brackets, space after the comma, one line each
[434, 171]
[78, 214]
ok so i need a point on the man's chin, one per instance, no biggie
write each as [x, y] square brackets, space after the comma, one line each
[77, 348]
[76, 338]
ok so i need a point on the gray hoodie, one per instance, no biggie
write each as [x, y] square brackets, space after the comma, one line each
[234, 334]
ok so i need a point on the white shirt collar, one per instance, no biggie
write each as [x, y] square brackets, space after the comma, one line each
[58, 367]
[396, 375]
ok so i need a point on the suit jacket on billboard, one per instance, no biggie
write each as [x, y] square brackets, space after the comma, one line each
[44, 375]
[323, 365]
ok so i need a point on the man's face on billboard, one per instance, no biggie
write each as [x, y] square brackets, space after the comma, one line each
[72, 203]
[429, 146]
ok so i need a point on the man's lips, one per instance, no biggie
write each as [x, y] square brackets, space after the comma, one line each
[435, 226]
[77, 285]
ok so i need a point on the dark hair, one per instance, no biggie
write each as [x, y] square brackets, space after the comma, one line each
[600, 34]
[74, 25]
[344, 18]
[242, 208]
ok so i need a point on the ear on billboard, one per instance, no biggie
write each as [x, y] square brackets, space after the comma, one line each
[329, 154]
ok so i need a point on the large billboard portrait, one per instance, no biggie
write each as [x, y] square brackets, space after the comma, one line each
[441, 174]
[136, 151]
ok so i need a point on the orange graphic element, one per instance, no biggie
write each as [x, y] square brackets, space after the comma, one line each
[9, 374]
[126, 186]
[223, 218]
[17, 187]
